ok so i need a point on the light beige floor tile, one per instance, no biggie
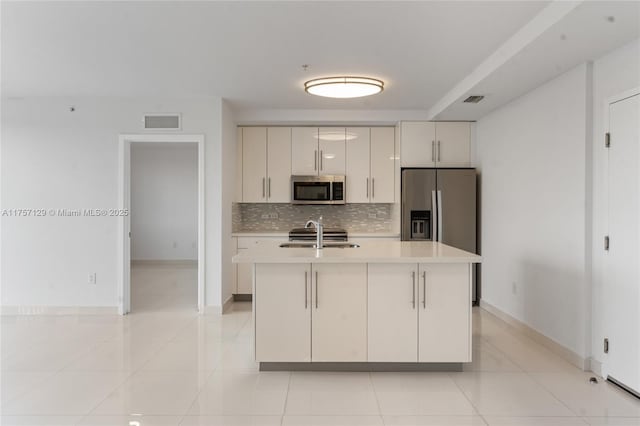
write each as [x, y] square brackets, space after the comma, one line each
[241, 393]
[16, 383]
[178, 356]
[487, 358]
[339, 403]
[119, 354]
[330, 381]
[588, 399]
[231, 421]
[332, 421]
[38, 420]
[153, 393]
[534, 421]
[433, 421]
[613, 421]
[66, 393]
[509, 394]
[130, 421]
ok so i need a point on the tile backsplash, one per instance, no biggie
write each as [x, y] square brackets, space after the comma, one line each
[254, 217]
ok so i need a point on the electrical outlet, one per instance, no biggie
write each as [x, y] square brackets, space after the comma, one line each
[92, 278]
[273, 215]
[265, 216]
[373, 216]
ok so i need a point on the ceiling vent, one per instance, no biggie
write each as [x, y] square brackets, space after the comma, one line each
[165, 121]
[474, 99]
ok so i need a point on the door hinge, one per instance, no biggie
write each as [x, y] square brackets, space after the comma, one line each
[606, 345]
[607, 140]
[606, 243]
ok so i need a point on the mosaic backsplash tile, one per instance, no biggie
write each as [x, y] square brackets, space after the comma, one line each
[253, 217]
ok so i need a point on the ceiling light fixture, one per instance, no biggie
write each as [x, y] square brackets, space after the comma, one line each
[344, 87]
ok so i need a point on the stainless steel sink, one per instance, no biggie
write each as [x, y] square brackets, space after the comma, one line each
[313, 245]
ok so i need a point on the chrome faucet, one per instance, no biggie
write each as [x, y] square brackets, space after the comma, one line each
[319, 230]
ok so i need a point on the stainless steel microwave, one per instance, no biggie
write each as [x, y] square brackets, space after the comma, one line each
[317, 189]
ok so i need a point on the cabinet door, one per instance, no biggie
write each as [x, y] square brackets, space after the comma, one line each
[244, 278]
[339, 313]
[453, 142]
[332, 150]
[304, 151]
[254, 164]
[279, 164]
[417, 144]
[393, 312]
[282, 313]
[382, 165]
[357, 165]
[444, 313]
[238, 195]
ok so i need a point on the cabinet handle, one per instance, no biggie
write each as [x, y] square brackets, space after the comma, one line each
[269, 187]
[263, 190]
[433, 151]
[413, 278]
[321, 166]
[316, 289]
[367, 187]
[424, 289]
[438, 151]
[373, 188]
[306, 294]
[315, 160]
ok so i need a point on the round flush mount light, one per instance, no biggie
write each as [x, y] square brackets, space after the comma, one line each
[344, 87]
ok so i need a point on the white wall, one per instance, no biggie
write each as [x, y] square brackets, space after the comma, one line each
[164, 201]
[228, 157]
[531, 154]
[54, 158]
[615, 73]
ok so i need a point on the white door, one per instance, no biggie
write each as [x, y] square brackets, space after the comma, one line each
[382, 165]
[444, 313]
[453, 144]
[357, 165]
[339, 312]
[304, 151]
[332, 150]
[254, 164]
[282, 313]
[417, 144]
[279, 164]
[622, 279]
[393, 312]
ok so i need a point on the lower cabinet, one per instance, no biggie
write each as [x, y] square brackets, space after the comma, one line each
[311, 313]
[419, 313]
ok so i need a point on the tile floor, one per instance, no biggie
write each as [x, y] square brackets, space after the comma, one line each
[166, 365]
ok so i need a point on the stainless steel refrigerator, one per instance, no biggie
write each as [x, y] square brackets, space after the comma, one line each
[440, 205]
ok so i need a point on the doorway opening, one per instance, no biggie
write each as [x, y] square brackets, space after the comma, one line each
[161, 234]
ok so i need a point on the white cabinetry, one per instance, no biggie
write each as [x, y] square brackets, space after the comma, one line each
[282, 312]
[244, 271]
[339, 313]
[370, 168]
[317, 151]
[266, 164]
[435, 144]
[419, 313]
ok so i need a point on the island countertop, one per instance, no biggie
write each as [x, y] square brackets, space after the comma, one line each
[368, 252]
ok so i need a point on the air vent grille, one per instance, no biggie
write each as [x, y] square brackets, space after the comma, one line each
[162, 122]
[474, 99]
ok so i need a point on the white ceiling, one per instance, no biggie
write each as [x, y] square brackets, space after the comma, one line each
[251, 52]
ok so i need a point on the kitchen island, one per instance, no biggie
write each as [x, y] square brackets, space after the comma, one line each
[383, 305]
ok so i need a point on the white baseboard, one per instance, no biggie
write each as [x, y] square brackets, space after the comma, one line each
[226, 306]
[164, 262]
[59, 310]
[220, 310]
[555, 347]
[595, 366]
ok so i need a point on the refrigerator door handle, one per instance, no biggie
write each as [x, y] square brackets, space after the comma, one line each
[434, 218]
[439, 215]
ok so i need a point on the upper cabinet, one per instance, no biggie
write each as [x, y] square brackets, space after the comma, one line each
[266, 164]
[435, 144]
[318, 151]
[370, 164]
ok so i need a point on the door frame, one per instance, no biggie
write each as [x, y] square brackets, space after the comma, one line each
[605, 367]
[124, 203]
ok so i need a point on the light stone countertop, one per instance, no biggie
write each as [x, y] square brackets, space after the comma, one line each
[274, 234]
[369, 252]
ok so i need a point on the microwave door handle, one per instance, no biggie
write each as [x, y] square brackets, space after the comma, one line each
[434, 217]
[439, 215]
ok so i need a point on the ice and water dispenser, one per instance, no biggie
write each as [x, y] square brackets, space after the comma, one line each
[420, 224]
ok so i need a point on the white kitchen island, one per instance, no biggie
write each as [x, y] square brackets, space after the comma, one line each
[385, 305]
